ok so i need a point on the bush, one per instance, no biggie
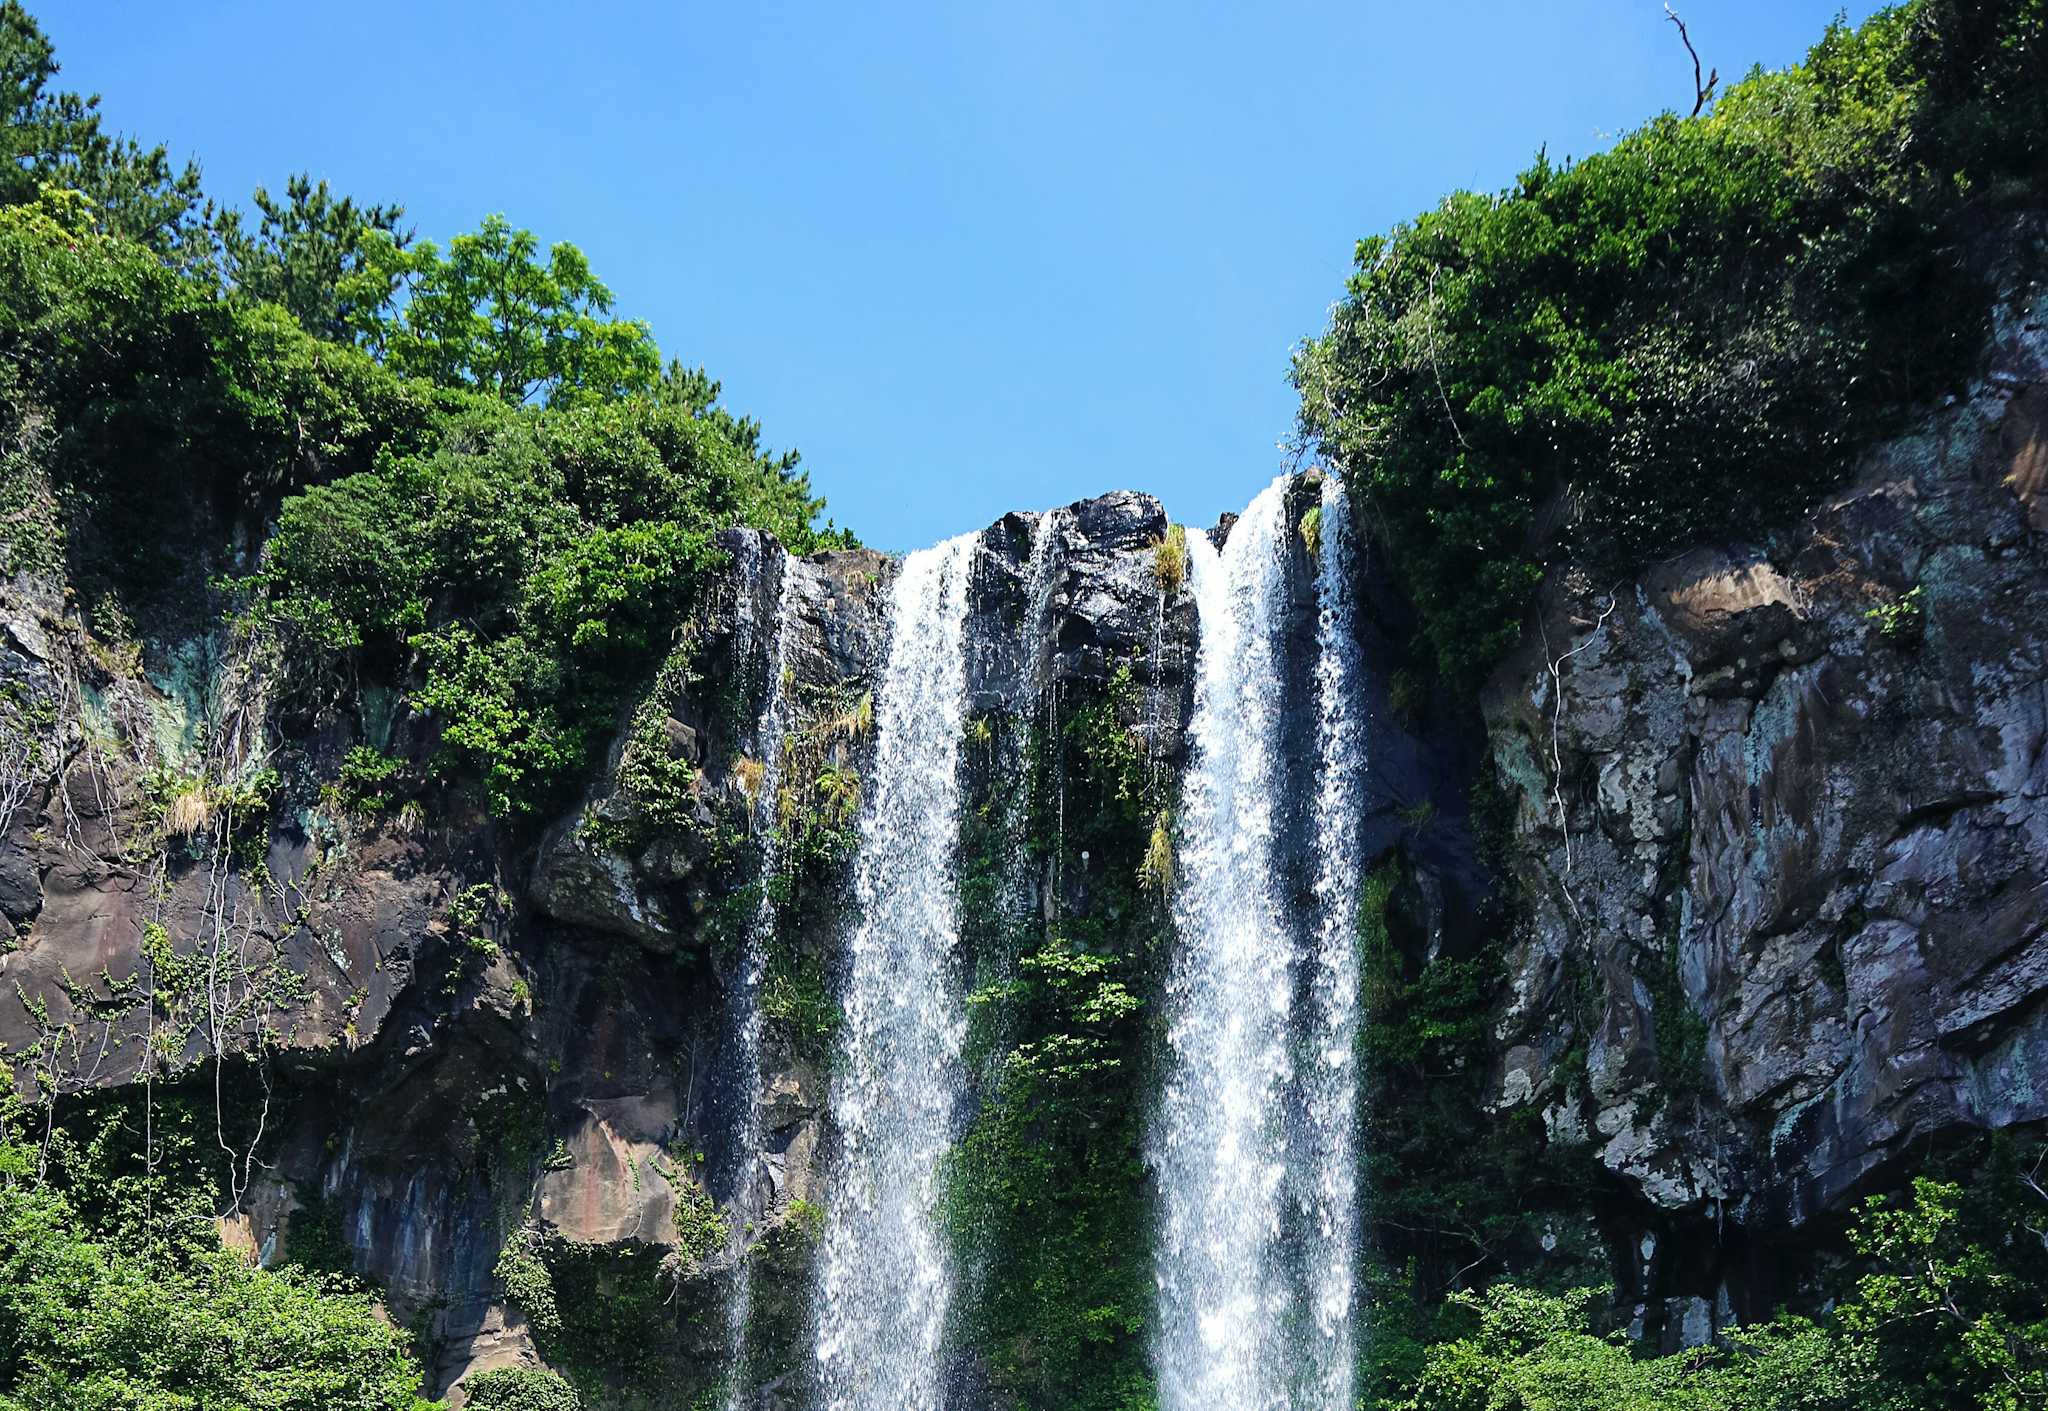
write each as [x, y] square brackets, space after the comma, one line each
[1949, 1314]
[1686, 336]
[523, 576]
[97, 1310]
[520, 1389]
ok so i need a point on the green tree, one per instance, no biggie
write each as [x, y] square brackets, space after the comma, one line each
[310, 253]
[116, 1292]
[492, 315]
[56, 138]
[1947, 1317]
[1689, 335]
[520, 1389]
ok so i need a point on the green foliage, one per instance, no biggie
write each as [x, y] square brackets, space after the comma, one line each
[314, 255]
[1955, 1311]
[618, 1318]
[520, 1389]
[492, 316]
[367, 781]
[1951, 1312]
[1442, 1212]
[515, 573]
[315, 1241]
[1156, 868]
[86, 1326]
[701, 1230]
[1047, 1191]
[115, 1290]
[528, 1284]
[1311, 529]
[159, 397]
[57, 139]
[523, 577]
[475, 913]
[1901, 619]
[1170, 559]
[806, 1220]
[1690, 334]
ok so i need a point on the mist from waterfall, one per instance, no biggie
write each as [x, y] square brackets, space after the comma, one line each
[1254, 1142]
[886, 1275]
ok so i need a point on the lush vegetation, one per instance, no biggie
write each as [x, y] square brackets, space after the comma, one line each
[1948, 1314]
[1047, 1193]
[447, 475]
[489, 493]
[457, 474]
[1688, 335]
[117, 1292]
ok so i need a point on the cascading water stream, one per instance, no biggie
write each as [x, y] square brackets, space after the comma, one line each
[1326, 1145]
[1220, 1143]
[745, 1007]
[1254, 1142]
[885, 1272]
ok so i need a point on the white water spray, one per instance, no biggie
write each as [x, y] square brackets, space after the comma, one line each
[1255, 1146]
[1221, 1146]
[885, 1272]
[1326, 1151]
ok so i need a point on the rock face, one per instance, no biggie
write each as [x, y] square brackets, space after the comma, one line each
[1779, 842]
[1784, 808]
[472, 1044]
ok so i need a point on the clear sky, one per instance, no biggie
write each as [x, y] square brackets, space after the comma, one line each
[967, 257]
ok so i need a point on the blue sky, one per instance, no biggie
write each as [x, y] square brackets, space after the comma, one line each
[968, 258]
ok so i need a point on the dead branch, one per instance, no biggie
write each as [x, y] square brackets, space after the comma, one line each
[1703, 93]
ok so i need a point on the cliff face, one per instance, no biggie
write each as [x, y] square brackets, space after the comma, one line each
[1778, 850]
[1781, 822]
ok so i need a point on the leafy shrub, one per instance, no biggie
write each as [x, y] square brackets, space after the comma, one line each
[366, 780]
[115, 1290]
[528, 1284]
[520, 1389]
[523, 576]
[700, 1228]
[1688, 335]
[1949, 1313]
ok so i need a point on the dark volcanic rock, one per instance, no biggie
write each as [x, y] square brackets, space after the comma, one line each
[1836, 835]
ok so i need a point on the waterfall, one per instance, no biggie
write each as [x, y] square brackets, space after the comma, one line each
[885, 1273]
[1220, 1145]
[744, 1013]
[1326, 1148]
[1254, 1141]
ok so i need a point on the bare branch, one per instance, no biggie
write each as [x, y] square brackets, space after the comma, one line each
[1703, 93]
